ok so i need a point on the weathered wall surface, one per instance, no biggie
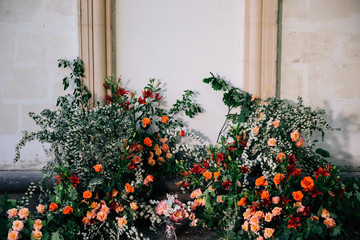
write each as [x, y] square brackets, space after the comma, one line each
[33, 35]
[321, 63]
[179, 43]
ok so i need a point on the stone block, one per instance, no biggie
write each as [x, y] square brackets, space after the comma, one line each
[21, 12]
[9, 114]
[350, 45]
[292, 81]
[295, 9]
[7, 44]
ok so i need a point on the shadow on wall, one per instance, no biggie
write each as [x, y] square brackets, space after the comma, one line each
[340, 142]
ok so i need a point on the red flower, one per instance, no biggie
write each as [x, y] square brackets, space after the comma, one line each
[122, 91]
[198, 169]
[125, 105]
[141, 100]
[108, 98]
[74, 180]
[157, 96]
[147, 93]
[226, 184]
[292, 170]
[292, 159]
[182, 133]
[245, 169]
[315, 192]
[220, 157]
[131, 166]
[323, 172]
[293, 222]
[59, 178]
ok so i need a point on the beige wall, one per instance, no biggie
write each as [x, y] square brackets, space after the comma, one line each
[321, 63]
[33, 35]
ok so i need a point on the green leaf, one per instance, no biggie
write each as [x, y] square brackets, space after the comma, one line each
[284, 236]
[322, 152]
[56, 236]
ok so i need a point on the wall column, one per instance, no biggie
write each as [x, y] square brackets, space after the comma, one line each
[260, 43]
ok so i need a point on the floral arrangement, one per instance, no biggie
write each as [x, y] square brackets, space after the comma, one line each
[107, 161]
[264, 179]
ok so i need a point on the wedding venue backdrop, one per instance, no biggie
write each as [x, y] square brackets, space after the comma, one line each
[290, 48]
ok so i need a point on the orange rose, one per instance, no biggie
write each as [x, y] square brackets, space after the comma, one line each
[101, 216]
[295, 135]
[157, 150]
[268, 232]
[259, 214]
[168, 155]
[53, 206]
[12, 212]
[17, 225]
[149, 178]
[268, 217]
[121, 222]
[280, 157]
[146, 121]
[307, 183]
[87, 194]
[151, 162]
[24, 213]
[247, 214]
[129, 188]
[245, 226]
[37, 234]
[276, 123]
[278, 178]
[134, 206]
[271, 142]
[37, 224]
[242, 202]
[216, 175]
[207, 175]
[98, 168]
[276, 211]
[85, 221]
[196, 193]
[182, 133]
[255, 227]
[256, 130]
[260, 181]
[165, 147]
[301, 142]
[325, 213]
[265, 195]
[164, 119]
[298, 196]
[148, 142]
[13, 235]
[40, 208]
[275, 200]
[330, 222]
[68, 210]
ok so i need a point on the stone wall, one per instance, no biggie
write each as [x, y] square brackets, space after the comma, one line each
[33, 35]
[321, 63]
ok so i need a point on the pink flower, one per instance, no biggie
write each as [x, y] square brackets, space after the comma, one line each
[260, 238]
[196, 193]
[268, 217]
[275, 200]
[12, 213]
[105, 209]
[24, 213]
[276, 123]
[276, 211]
[161, 207]
[134, 206]
[17, 225]
[101, 216]
[268, 232]
[271, 142]
[177, 216]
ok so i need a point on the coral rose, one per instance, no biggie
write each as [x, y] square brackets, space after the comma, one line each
[247, 214]
[13, 212]
[255, 228]
[182, 133]
[136, 159]
[164, 119]
[149, 178]
[13, 235]
[177, 215]
[40, 208]
[121, 222]
[259, 214]
[129, 188]
[37, 235]
[68, 210]
[146, 122]
[325, 213]
[17, 225]
[280, 157]
[271, 142]
[307, 183]
[165, 147]
[276, 211]
[254, 220]
[276, 123]
[207, 175]
[85, 221]
[275, 200]
[160, 208]
[148, 142]
[330, 222]
[101, 216]
[37, 224]
[53, 206]
[151, 161]
[219, 199]
[87, 194]
[268, 232]
[301, 143]
[295, 135]
[98, 168]
[24, 213]
[298, 196]
[196, 193]
[242, 202]
[278, 178]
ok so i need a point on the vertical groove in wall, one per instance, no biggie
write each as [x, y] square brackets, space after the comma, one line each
[113, 39]
[278, 48]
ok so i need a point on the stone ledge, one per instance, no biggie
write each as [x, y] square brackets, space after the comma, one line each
[18, 181]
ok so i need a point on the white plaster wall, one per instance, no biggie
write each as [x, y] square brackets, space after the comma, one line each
[179, 43]
[33, 35]
[321, 63]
